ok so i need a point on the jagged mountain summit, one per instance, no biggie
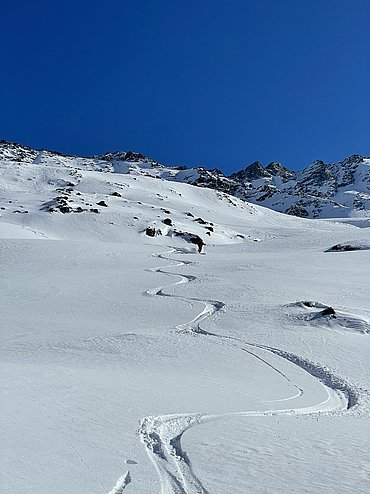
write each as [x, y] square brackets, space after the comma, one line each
[321, 190]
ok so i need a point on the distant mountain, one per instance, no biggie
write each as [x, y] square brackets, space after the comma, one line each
[321, 190]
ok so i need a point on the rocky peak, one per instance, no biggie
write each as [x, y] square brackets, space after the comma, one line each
[278, 169]
[353, 159]
[317, 174]
[126, 156]
[215, 179]
[252, 172]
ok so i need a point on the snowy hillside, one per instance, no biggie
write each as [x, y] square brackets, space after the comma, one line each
[161, 337]
[333, 190]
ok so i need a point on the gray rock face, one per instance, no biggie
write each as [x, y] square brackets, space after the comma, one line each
[125, 156]
[275, 168]
[251, 172]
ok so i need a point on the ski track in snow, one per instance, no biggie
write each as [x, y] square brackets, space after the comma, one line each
[162, 434]
[121, 484]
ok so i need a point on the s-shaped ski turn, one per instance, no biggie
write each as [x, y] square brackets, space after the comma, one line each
[161, 435]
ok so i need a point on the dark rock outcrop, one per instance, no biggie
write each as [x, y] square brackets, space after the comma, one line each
[345, 248]
[251, 172]
[297, 210]
[329, 311]
[192, 238]
[150, 232]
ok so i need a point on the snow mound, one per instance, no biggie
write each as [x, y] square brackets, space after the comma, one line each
[338, 320]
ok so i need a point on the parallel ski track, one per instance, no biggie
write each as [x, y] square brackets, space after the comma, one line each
[162, 434]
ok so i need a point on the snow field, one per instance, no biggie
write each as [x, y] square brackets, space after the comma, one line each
[134, 364]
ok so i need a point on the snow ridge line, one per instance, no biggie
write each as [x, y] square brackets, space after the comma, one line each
[162, 435]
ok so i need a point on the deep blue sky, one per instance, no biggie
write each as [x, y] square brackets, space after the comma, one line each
[215, 82]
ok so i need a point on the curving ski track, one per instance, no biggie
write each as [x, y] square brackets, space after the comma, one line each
[162, 434]
[121, 484]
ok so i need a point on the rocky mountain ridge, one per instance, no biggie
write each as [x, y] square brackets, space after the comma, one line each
[321, 190]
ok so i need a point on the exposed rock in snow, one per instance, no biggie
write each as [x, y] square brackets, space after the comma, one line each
[343, 247]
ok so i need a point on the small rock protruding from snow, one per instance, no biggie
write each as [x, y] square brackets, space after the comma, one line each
[345, 247]
[329, 311]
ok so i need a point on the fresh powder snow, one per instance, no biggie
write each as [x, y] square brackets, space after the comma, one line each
[135, 361]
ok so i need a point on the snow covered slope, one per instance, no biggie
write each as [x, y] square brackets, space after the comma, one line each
[132, 363]
[333, 190]
[69, 197]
